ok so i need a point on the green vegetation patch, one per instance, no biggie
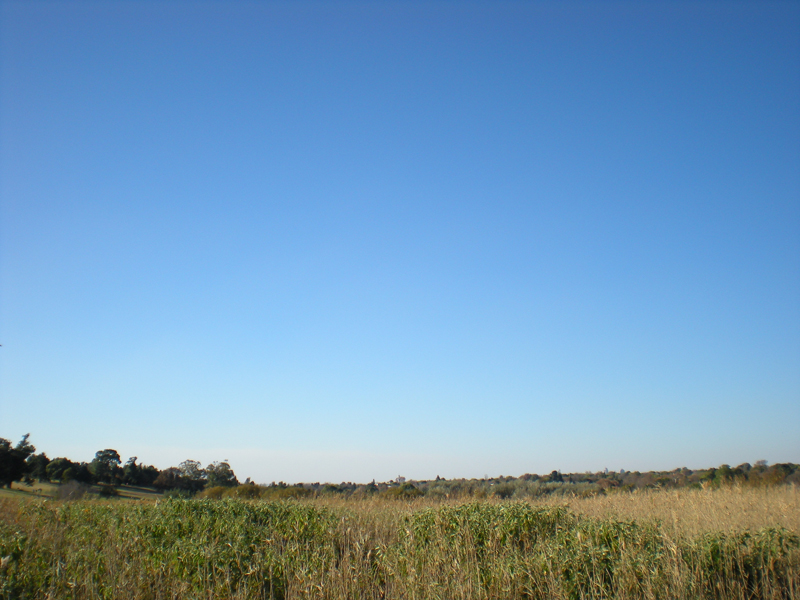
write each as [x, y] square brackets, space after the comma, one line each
[194, 548]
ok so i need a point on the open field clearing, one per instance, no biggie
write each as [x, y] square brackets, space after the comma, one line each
[728, 543]
[51, 490]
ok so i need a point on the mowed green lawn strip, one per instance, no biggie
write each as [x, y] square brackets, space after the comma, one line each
[50, 490]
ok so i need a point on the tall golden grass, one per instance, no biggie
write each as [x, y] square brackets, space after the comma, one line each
[686, 544]
[691, 512]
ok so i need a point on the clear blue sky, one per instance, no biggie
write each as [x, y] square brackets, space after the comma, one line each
[351, 240]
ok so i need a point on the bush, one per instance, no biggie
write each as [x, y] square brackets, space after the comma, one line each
[405, 491]
[107, 491]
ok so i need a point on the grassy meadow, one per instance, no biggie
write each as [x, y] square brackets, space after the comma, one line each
[729, 542]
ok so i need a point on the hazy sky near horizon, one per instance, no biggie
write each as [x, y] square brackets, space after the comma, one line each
[338, 241]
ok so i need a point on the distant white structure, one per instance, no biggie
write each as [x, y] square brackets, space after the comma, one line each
[401, 479]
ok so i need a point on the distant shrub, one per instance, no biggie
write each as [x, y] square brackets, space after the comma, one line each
[249, 492]
[405, 491]
[285, 493]
[107, 491]
[214, 493]
[504, 490]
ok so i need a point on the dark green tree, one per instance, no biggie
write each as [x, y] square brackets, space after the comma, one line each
[56, 469]
[221, 474]
[37, 466]
[12, 460]
[79, 472]
[135, 474]
[131, 473]
[169, 479]
[194, 477]
[106, 466]
[188, 477]
[147, 475]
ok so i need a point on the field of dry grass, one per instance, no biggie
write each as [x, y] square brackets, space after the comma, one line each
[691, 512]
[729, 543]
[681, 512]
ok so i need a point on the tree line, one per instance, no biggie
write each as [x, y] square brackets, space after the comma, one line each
[20, 462]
